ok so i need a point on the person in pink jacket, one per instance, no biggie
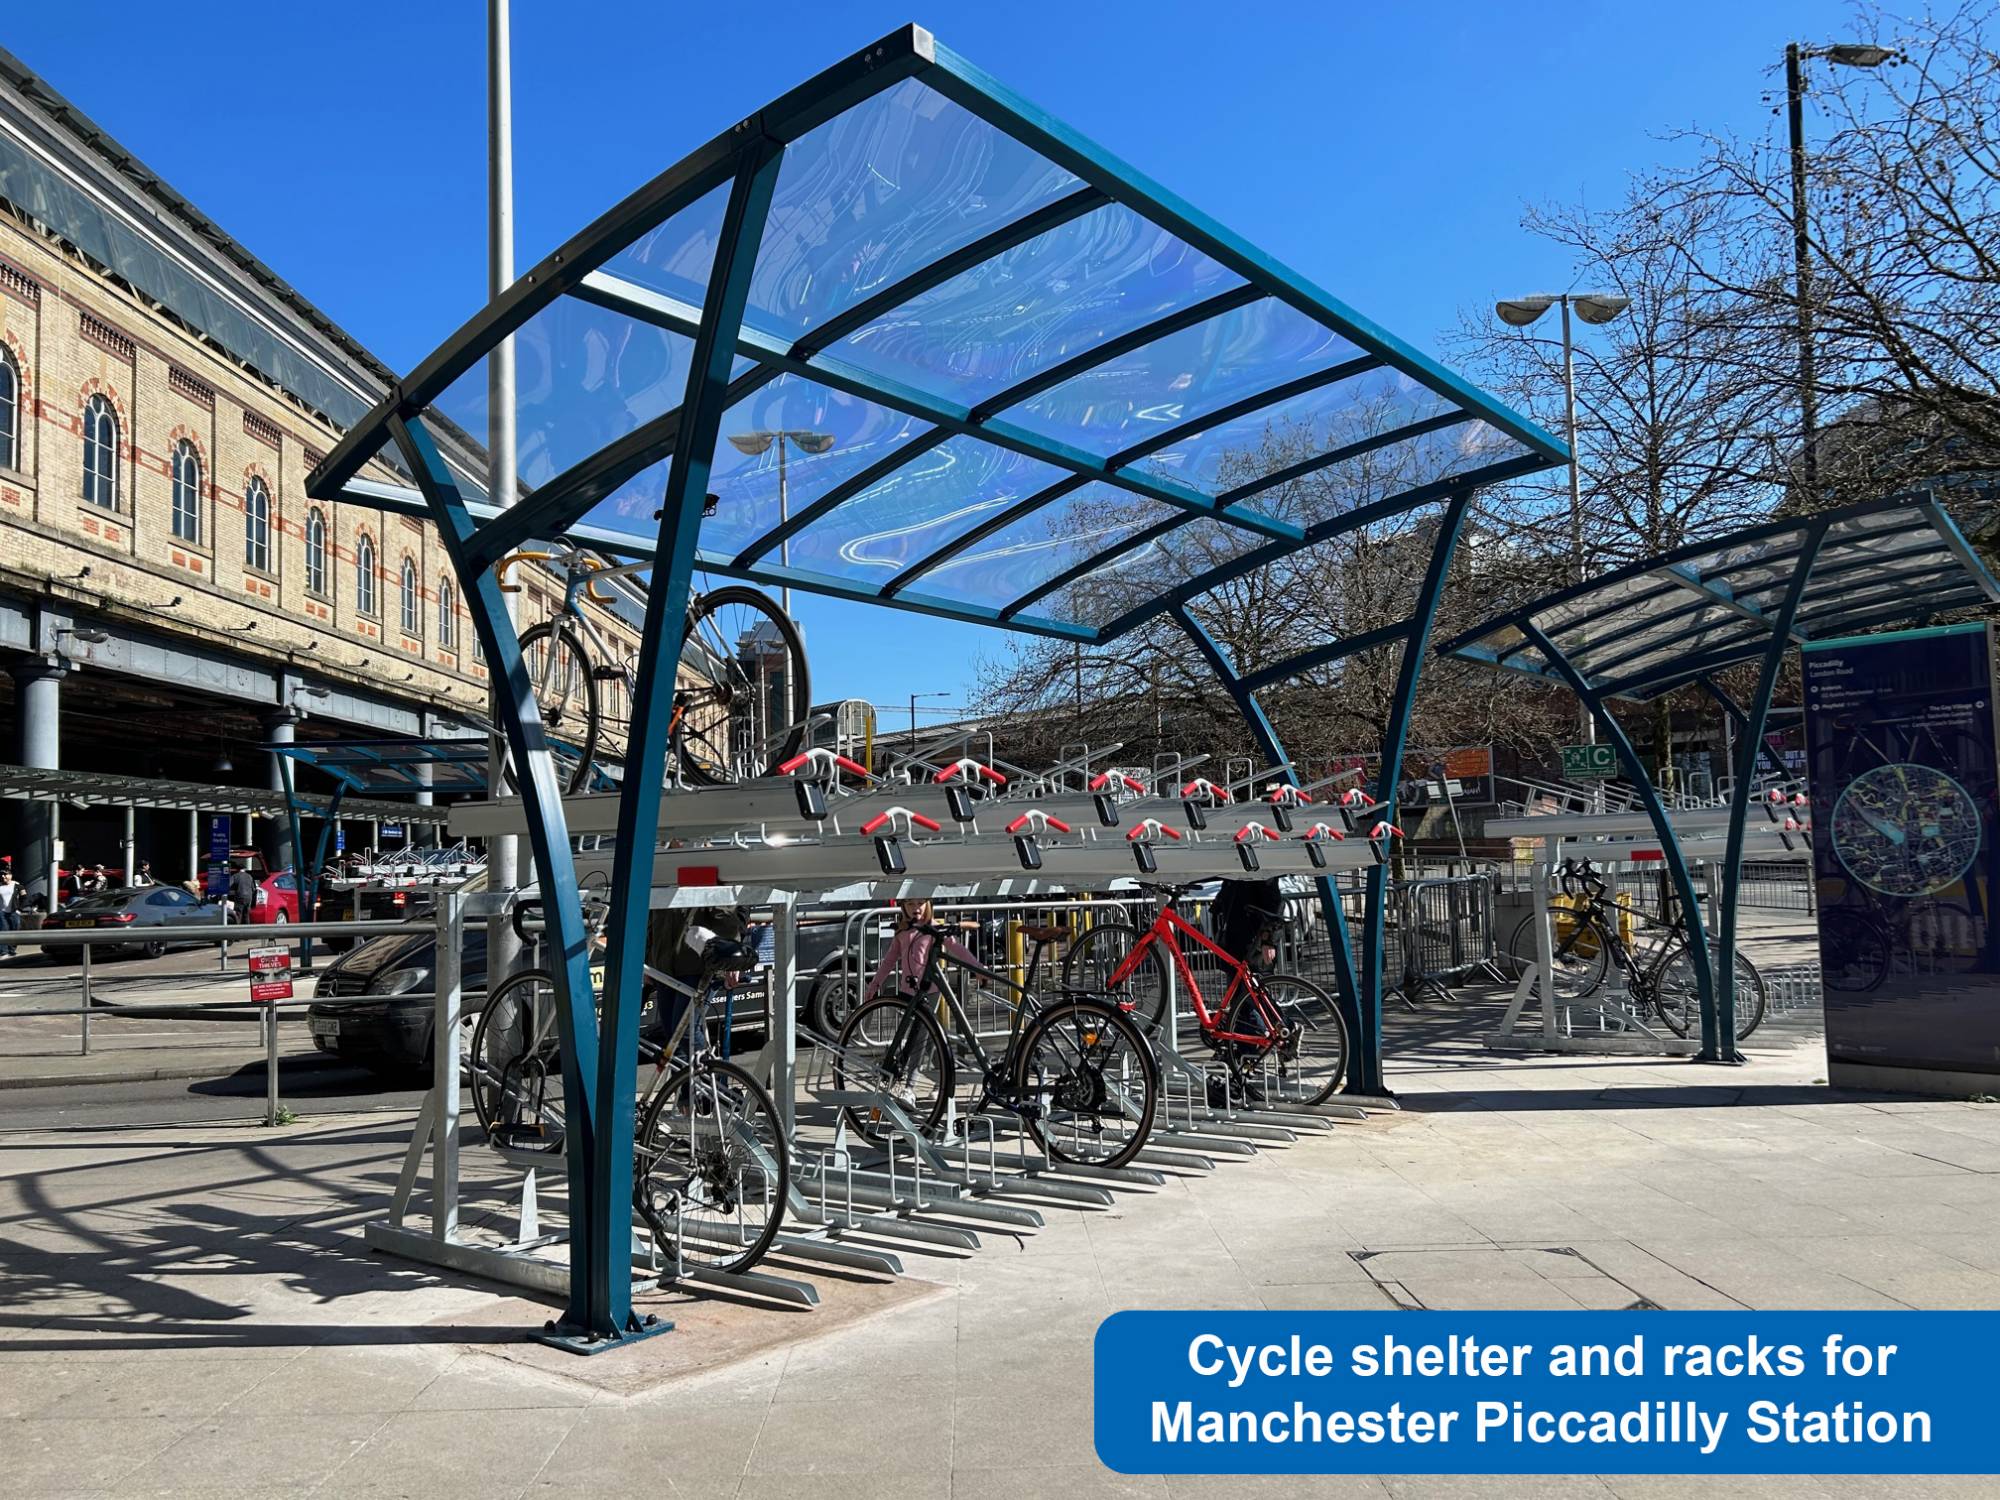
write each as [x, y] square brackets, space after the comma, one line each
[910, 949]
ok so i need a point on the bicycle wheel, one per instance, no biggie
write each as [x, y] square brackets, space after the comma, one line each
[916, 1076]
[1309, 1058]
[1090, 1074]
[710, 1167]
[1679, 997]
[516, 1064]
[1581, 960]
[1855, 952]
[836, 990]
[566, 697]
[745, 695]
[1094, 961]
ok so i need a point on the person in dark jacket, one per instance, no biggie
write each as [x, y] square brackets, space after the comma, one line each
[1246, 912]
[242, 893]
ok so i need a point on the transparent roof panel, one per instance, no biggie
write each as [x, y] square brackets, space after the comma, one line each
[675, 257]
[1182, 376]
[1144, 573]
[1022, 556]
[829, 438]
[1394, 469]
[584, 377]
[1098, 277]
[938, 496]
[880, 191]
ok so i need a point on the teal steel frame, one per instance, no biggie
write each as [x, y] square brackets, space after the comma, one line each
[598, 1077]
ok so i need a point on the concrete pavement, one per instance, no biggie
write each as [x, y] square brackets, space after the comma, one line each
[190, 1309]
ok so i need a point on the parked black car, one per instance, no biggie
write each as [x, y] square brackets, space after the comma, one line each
[389, 1034]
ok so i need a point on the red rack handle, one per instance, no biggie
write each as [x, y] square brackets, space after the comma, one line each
[1352, 795]
[1286, 793]
[1251, 830]
[1205, 787]
[1323, 831]
[1148, 828]
[808, 757]
[1035, 815]
[889, 815]
[1104, 778]
[1386, 831]
[968, 766]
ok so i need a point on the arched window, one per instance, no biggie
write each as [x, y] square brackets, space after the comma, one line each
[187, 492]
[100, 453]
[447, 616]
[316, 553]
[257, 526]
[413, 620]
[10, 411]
[364, 574]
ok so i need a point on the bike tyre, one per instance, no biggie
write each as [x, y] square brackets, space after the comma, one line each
[566, 642]
[542, 1051]
[1131, 1038]
[1097, 955]
[882, 1018]
[800, 708]
[1580, 968]
[1313, 1007]
[761, 1106]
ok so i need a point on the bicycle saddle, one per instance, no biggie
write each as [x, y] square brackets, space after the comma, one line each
[728, 955]
[1040, 934]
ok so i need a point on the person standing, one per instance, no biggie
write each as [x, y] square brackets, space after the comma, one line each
[10, 905]
[145, 875]
[243, 892]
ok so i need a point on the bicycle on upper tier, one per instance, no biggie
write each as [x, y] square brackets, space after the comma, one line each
[1658, 975]
[1280, 1038]
[710, 1164]
[1077, 1072]
[742, 695]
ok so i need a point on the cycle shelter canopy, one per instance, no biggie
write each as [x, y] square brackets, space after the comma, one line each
[908, 340]
[1682, 618]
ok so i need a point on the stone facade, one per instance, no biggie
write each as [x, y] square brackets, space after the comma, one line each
[237, 555]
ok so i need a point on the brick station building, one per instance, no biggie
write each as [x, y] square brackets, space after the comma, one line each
[169, 599]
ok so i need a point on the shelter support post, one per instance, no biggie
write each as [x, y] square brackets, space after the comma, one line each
[1718, 1033]
[1670, 849]
[609, 1235]
[1363, 1064]
[1374, 930]
[565, 940]
[287, 778]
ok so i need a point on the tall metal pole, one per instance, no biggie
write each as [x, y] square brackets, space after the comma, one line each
[1802, 270]
[1586, 721]
[503, 858]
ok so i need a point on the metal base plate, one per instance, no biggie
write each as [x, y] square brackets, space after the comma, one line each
[581, 1341]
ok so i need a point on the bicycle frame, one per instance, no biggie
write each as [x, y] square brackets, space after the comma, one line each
[1164, 931]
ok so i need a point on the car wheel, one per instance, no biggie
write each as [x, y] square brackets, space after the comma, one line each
[154, 948]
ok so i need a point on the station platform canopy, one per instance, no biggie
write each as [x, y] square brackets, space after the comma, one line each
[385, 767]
[983, 370]
[101, 789]
[1686, 615]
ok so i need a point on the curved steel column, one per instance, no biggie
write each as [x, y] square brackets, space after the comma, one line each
[1329, 895]
[1670, 849]
[562, 909]
[1718, 1033]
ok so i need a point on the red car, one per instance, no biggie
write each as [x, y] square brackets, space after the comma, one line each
[277, 898]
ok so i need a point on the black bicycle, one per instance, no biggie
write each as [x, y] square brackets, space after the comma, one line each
[1077, 1072]
[1659, 975]
[710, 1164]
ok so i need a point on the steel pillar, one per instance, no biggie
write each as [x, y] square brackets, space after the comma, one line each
[1348, 991]
[565, 941]
[1670, 849]
[281, 728]
[1718, 1033]
[608, 1240]
[1389, 776]
[38, 702]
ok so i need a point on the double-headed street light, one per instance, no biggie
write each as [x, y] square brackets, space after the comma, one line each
[1846, 55]
[1594, 308]
[751, 444]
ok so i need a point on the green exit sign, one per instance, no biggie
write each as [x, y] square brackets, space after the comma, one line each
[1589, 762]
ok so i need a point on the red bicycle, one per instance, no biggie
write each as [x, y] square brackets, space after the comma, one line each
[1269, 1030]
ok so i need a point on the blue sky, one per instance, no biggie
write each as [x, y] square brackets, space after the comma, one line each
[1384, 150]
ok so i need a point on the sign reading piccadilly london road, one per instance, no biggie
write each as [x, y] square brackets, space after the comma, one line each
[1589, 762]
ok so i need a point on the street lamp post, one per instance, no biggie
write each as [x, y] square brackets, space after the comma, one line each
[751, 444]
[1846, 55]
[1595, 308]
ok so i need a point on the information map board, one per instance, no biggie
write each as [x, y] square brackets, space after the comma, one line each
[1903, 768]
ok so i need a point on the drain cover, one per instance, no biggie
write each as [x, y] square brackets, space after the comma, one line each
[1537, 1277]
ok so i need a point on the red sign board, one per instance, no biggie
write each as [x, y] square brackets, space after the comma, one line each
[270, 975]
